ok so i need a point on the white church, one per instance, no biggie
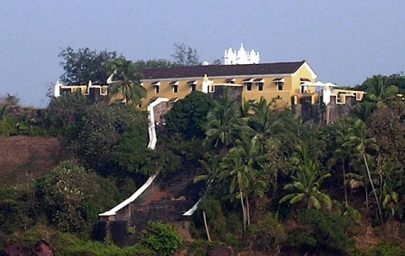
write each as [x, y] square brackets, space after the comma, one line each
[241, 56]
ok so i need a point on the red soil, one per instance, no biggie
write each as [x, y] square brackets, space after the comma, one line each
[23, 158]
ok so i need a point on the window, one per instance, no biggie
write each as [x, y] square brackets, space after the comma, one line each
[230, 81]
[259, 83]
[279, 82]
[280, 86]
[193, 85]
[248, 83]
[248, 86]
[175, 86]
[156, 85]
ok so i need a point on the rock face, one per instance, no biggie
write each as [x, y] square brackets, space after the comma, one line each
[165, 200]
[319, 113]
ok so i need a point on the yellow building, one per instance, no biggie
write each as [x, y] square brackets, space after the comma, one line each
[280, 81]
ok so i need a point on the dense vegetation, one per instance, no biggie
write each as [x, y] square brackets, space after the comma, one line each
[272, 183]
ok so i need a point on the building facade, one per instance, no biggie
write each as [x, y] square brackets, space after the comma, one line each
[278, 82]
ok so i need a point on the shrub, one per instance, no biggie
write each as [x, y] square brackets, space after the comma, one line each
[72, 196]
[267, 234]
[67, 244]
[17, 209]
[389, 249]
[321, 232]
[161, 238]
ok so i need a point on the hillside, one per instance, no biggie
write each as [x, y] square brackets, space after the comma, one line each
[23, 156]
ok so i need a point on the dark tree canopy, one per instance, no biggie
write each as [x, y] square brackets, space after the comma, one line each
[82, 65]
[154, 63]
[188, 116]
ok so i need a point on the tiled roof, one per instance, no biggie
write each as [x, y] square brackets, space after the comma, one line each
[223, 70]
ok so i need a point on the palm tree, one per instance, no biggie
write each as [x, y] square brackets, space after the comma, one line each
[211, 166]
[305, 187]
[240, 166]
[379, 91]
[127, 83]
[260, 121]
[224, 126]
[341, 155]
[234, 168]
[361, 143]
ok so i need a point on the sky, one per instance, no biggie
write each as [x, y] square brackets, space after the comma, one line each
[344, 41]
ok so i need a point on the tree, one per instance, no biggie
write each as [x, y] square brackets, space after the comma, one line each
[224, 127]
[261, 121]
[189, 115]
[379, 91]
[362, 143]
[98, 129]
[306, 188]
[63, 114]
[239, 165]
[185, 55]
[154, 63]
[64, 193]
[127, 82]
[234, 168]
[397, 80]
[82, 65]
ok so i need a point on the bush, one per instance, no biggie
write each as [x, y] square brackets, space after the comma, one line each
[66, 244]
[322, 232]
[72, 197]
[17, 209]
[161, 238]
[189, 115]
[389, 249]
[267, 234]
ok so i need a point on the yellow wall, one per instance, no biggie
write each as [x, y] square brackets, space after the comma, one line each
[291, 87]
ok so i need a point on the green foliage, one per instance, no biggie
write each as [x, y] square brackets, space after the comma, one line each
[82, 65]
[66, 244]
[389, 249]
[101, 128]
[153, 63]
[198, 248]
[8, 126]
[224, 127]
[161, 238]
[70, 196]
[322, 232]
[306, 183]
[215, 216]
[267, 234]
[64, 113]
[18, 120]
[131, 154]
[17, 208]
[127, 81]
[189, 115]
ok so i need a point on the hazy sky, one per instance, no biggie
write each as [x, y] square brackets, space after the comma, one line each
[343, 41]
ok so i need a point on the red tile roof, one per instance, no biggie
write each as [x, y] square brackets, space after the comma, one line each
[223, 70]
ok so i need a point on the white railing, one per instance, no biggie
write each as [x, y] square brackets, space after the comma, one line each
[151, 145]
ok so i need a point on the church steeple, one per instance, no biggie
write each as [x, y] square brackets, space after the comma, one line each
[241, 56]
